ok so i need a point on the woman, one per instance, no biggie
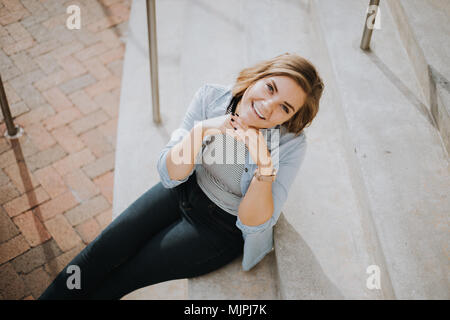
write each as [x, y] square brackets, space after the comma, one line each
[204, 214]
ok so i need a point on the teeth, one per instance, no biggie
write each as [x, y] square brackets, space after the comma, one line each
[257, 111]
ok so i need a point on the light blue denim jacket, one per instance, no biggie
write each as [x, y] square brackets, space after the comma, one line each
[210, 101]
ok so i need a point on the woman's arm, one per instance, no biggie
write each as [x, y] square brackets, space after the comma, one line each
[257, 205]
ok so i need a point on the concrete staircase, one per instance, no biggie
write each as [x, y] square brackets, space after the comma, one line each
[373, 189]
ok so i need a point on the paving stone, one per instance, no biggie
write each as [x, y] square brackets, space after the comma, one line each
[89, 121]
[67, 139]
[61, 118]
[3, 178]
[56, 206]
[62, 232]
[31, 96]
[74, 161]
[36, 257]
[24, 62]
[8, 229]
[12, 248]
[26, 201]
[86, 210]
[40, 136]
[32, 228]
[80, 185]
[100, 166]
[88, 230]
[37, 281]
[46, 157]
[8, 192]
[97, 142]
[41, 112]
[27, 78]
[83, 102]
[51, 181]
[106, 185]
[17, 109]
[57, 99]
[77, 83]
[12, 286]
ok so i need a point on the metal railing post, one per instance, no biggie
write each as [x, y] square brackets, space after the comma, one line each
[151, 24]
[367, 33]
[12, 131]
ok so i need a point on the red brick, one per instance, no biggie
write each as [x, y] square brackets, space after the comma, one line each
[109, 130]
[83, 102]
[86, 210]
[52, 80]
[88, 230]
[11, 285]
[106, 185]
[11, 17]
[101, 24]
[109, 103]
[12, 248]
[35, 115]
[89, 121]
[112, 55]
[110, 38]
[20, 175]
[72, 66]
[91, 51]
[37, 281]
[68, 139]
[74, 161]
[31, 228]
[51, 180]
[62, 118]
[56, 206]
[8, 192]
[40, 136]
[26, 202]
[104, 218]
[97, 142]
[104, 85]
[80, 185]
[57, 99]
[62, 232]
[19, 46]
[97, 68]
[100, 166]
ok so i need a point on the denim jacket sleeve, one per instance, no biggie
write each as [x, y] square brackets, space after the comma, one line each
[258, 240]
[194, 113]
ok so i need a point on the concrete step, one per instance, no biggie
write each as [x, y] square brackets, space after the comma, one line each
[428, 48]
[372, 187]
[402, 161]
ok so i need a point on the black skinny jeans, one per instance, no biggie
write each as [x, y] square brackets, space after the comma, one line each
[165, 234]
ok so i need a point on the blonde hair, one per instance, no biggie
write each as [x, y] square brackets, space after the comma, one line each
[297, 68]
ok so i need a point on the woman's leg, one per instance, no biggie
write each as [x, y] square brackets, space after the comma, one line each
[182, 250]
[152, 212]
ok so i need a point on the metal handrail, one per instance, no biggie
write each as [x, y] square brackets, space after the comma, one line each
[367, 33]
[151, 25]
[12, 131]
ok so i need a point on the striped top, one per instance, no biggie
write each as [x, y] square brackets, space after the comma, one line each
[220, 172]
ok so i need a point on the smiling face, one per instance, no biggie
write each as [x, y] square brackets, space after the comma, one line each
[270, 101]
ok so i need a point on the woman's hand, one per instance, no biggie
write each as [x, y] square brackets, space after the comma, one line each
[255, 142]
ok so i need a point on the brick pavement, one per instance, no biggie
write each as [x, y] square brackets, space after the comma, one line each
[56, 181]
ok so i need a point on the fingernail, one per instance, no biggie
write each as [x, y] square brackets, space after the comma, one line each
[234, 128]
[237, 114]
[232, 119]
[233, 113]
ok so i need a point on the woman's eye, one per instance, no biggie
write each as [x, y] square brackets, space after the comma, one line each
[285, 109]
[270, 87]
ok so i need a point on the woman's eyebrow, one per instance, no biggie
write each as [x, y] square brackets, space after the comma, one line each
[276, 90]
